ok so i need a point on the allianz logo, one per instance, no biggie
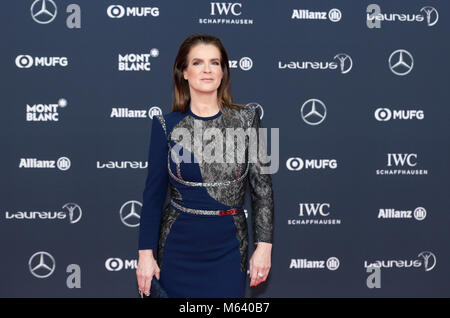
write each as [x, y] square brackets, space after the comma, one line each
[332, 263]
[419, 214]
[124, 112]
[63, 163]
[122, 165]
[334, 15]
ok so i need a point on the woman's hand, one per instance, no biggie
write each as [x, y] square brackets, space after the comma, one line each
[147, 267]
[260, 263]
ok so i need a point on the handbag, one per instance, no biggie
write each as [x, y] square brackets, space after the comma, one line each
[156, 290]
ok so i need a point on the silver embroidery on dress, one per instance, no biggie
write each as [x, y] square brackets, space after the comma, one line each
[226, 183]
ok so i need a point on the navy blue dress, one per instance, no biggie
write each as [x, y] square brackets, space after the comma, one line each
[202, 254]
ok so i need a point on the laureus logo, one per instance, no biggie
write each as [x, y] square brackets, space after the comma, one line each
[374, 16]
[429, 260]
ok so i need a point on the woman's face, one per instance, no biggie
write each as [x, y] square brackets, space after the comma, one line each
[203, 71]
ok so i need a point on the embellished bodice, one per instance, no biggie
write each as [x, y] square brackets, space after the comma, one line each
[204, 163]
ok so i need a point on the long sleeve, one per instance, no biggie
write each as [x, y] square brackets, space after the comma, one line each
[261, 193]
[155, 191]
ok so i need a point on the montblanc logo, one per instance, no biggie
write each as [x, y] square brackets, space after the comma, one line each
[332, 263]
[427, 260]
[72, 213]
[63, 163]
[225, 13]
[342, 62]
[297, 164]
[400, 160]
[314, 213]
[45, 112]
[45, 11]
[386, 114]
[119, 11]
[122, 165]
[28, 61]
[374, 16]
[245, 64]
[334, 15]
[115, 264]
[125, 112]
[136, 62]
[419, 214]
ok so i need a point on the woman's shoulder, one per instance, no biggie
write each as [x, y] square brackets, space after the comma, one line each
[169, 120]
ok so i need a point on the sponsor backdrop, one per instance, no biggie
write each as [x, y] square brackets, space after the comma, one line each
[358, 90]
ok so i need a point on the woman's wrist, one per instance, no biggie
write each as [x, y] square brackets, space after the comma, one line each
[264, 245]
[145, 252]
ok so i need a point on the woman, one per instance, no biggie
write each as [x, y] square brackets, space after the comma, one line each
[197, 245]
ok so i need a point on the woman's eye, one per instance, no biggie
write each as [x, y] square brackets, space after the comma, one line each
[196, 63]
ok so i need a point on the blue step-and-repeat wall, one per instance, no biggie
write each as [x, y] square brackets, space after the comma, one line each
[358, 89]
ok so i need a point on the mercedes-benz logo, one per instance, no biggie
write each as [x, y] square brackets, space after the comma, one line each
[43, 11]
[258, 108]
[313, 111]
[128, 214]
[401, 62]
[41, 264]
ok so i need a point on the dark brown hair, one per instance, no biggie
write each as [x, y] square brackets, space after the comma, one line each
[181, 94]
